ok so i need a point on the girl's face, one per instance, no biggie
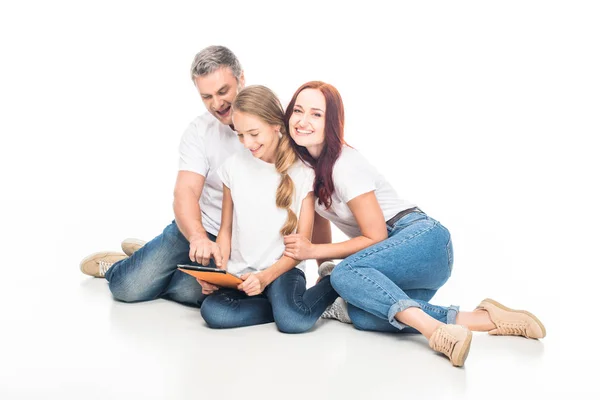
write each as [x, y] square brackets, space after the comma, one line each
[257, 136]
[307, 123]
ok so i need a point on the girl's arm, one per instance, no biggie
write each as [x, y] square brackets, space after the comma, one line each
[321, 234]
[254, 286]
[224, 236]
[368, 215]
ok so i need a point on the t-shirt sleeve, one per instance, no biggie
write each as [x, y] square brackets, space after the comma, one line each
[308, 180]
[224, 171]
[353, 176]
[192, 150]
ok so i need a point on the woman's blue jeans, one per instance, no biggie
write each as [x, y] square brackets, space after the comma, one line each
[286, 301]
[403, 271]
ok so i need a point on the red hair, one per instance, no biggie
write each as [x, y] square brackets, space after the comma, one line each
[334, 139]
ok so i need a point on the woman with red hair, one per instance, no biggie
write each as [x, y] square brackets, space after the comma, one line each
[396, 257]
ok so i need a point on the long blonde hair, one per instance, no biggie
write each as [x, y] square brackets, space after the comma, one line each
[261, 102]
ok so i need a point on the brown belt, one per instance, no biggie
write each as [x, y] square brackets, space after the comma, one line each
[401, 214]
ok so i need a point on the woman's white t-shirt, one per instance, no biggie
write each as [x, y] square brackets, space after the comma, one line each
[353, 175]
[256, 242]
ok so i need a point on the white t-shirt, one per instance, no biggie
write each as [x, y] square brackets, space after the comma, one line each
[353, 175]
[205, 144]
[256, 242]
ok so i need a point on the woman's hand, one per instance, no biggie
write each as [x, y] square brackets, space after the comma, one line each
[253, 284]
[298, 247]
[207, 288]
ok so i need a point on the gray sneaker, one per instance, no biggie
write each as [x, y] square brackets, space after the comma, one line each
[131, 245]
[326, 268]
[338, 310]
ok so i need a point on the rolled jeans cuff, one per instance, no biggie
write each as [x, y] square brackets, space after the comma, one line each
[452, 313]
[401, 305]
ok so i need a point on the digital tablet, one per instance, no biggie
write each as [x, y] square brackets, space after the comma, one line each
[216, 276]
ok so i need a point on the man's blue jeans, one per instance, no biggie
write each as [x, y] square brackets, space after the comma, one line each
[405, 270]
[286, 301]
[151, 272]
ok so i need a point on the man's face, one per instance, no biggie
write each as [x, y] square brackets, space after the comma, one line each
[218, 90]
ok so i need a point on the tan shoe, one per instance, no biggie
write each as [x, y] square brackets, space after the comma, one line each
[97, 264]
[452, 340]
[512, 322]
[131, 245]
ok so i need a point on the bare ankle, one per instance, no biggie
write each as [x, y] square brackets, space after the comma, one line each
[478, 320]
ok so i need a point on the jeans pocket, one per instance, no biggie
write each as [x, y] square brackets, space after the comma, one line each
[450, 252]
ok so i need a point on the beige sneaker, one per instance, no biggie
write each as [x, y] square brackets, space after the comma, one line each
[452, 340]
[131, 245]
[98, 263]
[512, 322]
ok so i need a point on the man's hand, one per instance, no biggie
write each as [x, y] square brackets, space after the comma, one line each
[207, 288]
[253, 284]
[298, 247]
[202, 248]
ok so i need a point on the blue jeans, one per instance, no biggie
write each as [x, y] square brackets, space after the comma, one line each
[403, 271]
[286, 301]
[151, 272]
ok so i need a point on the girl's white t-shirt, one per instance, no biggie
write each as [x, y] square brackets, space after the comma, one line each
[353, 175]
[256, 242]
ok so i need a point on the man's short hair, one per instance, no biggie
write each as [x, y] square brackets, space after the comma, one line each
[212, 58]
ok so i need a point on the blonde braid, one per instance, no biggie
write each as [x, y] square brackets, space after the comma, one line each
[285, 192]
[263, 103]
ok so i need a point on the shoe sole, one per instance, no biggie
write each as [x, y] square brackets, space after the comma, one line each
[494, 302]
[464, 352]
[130, 244]
[92, 257]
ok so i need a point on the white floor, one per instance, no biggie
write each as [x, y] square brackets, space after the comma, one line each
[485, 115]
[64, 337]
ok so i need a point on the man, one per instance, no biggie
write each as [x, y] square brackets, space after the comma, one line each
[151, 271]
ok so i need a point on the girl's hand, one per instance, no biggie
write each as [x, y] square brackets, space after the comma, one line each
[253, 284]
[207, 288]
[298, 247]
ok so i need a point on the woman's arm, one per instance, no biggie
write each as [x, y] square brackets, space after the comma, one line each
[368, 215]
[255, 283]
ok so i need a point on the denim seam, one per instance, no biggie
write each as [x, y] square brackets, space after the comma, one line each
[385, 247]
[299, 304]
[428, 307]
[366, 278]
[320, 298]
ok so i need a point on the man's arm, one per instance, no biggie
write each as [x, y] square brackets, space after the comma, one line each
[188, 189]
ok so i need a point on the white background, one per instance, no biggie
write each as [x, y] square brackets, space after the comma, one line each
[484, 114]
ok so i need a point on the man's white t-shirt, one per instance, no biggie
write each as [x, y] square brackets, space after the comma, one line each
[205, 145]
[353, 175]
[256, 242]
